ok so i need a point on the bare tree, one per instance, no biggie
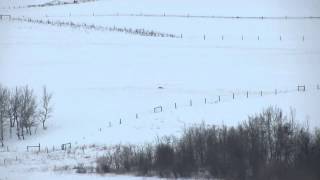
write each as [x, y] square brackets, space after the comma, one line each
[4, 97]
[27, 111]
[46, 108]
[13, 111]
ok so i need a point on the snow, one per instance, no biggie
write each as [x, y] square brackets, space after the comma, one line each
[99, 77]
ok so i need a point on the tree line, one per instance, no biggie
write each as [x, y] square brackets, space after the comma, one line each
[267, 146]
[21, 111]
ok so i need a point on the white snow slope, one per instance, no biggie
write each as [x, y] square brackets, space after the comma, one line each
[99, 77]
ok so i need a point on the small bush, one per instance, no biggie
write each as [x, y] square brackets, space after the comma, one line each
[164, 159]
[103, 165]
[80, 168]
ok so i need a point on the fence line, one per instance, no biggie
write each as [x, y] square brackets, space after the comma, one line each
[166, 15]
[233, 96]
[48, 4]
[140, 32]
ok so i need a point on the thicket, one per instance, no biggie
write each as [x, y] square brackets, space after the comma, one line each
[267, 146]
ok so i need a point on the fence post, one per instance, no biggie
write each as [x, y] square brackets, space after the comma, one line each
[275, 91]
[260, 93]
[190, 102]
[247, 94]
[302, 38]
[302, 88]
[204, 37]
[232, 95]
[175, 105]
[136, 115]
[219, 98]
[222, 37]
[242, 37]
[258, 38]
[280, 38]
[318, 87]
[205, 100]
[120, 121]
[39, 147]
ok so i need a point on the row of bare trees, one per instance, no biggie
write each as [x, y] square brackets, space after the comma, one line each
[267, 146]
[21, 110]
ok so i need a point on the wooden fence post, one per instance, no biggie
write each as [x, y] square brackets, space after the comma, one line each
[260, 93]
[232, 95]
[247, 94]
[120, 121]
[204, 37]
[219, 98]
[175, 105]
[190, 102]
[205, 100]
[136, 115]
[158, 107]
[301, 88]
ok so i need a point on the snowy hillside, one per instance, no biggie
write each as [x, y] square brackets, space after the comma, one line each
[99, 77]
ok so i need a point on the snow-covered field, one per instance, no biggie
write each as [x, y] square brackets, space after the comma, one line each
[99, 77]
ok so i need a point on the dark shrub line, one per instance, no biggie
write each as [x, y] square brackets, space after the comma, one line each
[267, 146]
[140, 32]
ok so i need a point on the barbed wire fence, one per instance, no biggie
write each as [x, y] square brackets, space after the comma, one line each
[186, 15]
[60, 23]
[229, 97]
